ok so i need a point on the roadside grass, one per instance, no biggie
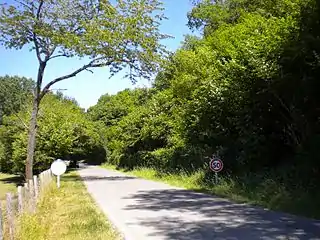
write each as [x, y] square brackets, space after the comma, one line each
[8, 183]
[68, 213]
[263, 190]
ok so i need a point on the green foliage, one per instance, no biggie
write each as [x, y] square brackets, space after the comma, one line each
[247, 90]
[110, 109]
[210, 16]
[64, 132]
[124, 33]
[14, 92]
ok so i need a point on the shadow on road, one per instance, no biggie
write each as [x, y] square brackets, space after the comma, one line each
[211, 217]
[97, 178]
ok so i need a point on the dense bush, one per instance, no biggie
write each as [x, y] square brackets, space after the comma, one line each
[247, 90]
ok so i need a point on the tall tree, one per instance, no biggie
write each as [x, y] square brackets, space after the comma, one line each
[14, 92]
[123, 34]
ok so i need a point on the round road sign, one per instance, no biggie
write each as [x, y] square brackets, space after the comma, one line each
[216, 165]
[58, 167]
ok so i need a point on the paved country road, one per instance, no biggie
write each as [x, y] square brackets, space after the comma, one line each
[143, 209]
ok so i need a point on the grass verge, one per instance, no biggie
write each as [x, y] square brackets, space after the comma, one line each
[260, 190]
[68, 213]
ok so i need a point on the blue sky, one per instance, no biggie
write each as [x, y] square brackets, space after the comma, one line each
[86, 87]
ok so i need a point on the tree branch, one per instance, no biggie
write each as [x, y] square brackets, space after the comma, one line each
[36, 45]
[35, 40]
[25, 5]
[56, 56]
[89, 70]
[39, 9]
[91, 64]
[49, 54]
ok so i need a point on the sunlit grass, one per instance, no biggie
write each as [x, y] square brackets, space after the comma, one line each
[68, 213]
[189, 181]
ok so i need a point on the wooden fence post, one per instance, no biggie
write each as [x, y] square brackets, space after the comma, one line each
[40, 182]
[1, 222]
[10, 216]
[36, 187]
[31, 195]
[25, 186]
[20, 200]
[50, 176]
[26, 196]
[45, 174]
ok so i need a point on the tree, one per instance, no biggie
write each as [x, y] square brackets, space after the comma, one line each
[110, 109]
[208, 15]
[121, 35]
[14, 92]
[64, 132]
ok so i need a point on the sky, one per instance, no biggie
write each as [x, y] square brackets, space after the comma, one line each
[86, 87]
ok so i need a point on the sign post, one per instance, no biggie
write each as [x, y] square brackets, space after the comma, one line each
[216, 165]
[58, 167]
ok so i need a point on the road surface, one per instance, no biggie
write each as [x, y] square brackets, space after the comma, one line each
[143, 209]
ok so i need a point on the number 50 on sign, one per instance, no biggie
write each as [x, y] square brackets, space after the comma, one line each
[216, 165]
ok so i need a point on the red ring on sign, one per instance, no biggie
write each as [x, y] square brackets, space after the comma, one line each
[216, 165]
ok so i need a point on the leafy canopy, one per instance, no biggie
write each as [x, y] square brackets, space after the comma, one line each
[14, 92]
[121, 34]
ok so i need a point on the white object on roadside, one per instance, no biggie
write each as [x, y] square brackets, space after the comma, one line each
[58, 167]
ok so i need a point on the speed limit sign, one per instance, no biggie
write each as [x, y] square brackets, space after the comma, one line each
[216, 165]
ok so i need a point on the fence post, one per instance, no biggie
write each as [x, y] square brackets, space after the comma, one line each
[31, 195]
[25, 186]
[36, 187]
[20, 201]
[1, 222]
[26, 196]
[10, 216]
[50, 176]
[40, 182]
[45, 177]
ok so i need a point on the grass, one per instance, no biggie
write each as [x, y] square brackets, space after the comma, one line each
[8, 183]
[261, 190]
[68, 213]
[188, 181]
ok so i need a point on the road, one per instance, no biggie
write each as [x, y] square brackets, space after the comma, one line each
[143, 209]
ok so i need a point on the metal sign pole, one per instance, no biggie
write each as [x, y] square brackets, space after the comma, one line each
[58, 181]
[216, 177]
[216, 165]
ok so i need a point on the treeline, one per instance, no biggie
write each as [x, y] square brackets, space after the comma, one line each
[64, 129]
[248, 90]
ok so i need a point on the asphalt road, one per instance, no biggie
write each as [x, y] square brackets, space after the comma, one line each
[143, 209]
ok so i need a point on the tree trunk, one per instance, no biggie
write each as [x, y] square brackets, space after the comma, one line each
[32, 139]
[33, 123]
